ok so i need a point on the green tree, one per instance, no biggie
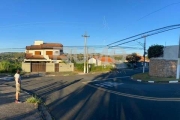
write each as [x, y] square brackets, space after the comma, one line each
[4, 66]
[155, 51]
[133, 58]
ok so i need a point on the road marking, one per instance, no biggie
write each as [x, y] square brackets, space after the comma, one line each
[108, 84]
[139, 80]
[151, 81]
[108, 79]
[175, 81]
[134, 96]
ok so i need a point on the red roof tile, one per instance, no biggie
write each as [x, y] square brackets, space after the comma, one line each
[107, 59]
[30, 56]
[44, 46]
[58, 57]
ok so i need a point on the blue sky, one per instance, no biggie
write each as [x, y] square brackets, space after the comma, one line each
[65, 21]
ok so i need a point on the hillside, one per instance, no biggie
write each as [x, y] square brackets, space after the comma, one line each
[12, 56]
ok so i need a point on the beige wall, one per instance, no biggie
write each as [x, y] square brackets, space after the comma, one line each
[50, 67]
[26, 67]
[162, 68]
[66, 67]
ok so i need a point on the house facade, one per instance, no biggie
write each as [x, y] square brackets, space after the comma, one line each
[45, 57]
[44, 52]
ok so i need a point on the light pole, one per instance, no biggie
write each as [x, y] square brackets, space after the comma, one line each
[85, 49]
[144, 52]
[87, 59]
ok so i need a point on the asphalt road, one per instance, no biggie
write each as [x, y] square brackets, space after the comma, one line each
[110, 96]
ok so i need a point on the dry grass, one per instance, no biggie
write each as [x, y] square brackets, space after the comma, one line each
[146, 77]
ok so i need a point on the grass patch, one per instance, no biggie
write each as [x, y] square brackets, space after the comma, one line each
[34, 99]
[146, 77]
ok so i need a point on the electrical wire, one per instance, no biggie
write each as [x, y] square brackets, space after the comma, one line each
[147, 36]
[171, 26]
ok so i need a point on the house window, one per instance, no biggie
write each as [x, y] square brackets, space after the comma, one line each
[56, 52]
[37, 52]
[49, 53]
[61, 51]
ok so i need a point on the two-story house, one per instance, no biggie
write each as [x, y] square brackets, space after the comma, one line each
[44, 52]
[45, 57]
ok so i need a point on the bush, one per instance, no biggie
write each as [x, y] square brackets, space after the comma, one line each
[34, 99]
[9, 67]
[79, 66]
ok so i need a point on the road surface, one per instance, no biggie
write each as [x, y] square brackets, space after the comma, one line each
[110, 96]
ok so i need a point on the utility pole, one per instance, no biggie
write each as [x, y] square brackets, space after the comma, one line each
[85, 40]
[144, 52]
[178, 64]
[71, 57]
[87, 59]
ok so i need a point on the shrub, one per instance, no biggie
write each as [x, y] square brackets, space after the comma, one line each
[79, 66]
[34, 99]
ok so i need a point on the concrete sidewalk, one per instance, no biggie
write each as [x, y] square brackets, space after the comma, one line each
[9, 110]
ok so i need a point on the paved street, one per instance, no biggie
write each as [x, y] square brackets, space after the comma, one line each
[108, 96]
[9, 110]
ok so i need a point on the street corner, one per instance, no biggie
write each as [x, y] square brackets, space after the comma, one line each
[154, 81]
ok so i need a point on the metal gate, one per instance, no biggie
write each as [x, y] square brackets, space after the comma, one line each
[38, 67]
[57, 67]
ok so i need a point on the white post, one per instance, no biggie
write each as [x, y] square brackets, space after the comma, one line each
[178, 62]
[178, 65]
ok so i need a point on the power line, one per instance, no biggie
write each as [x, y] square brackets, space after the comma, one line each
[167, 27]
[146, 36]
[158, 10]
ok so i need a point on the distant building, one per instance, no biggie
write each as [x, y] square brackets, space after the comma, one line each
[98, 61]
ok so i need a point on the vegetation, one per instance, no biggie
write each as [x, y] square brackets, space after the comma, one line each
[92, 68]
[155, 51]
[34, 99]
[133, 58]
[10, 62]
[12, 56]
[146, 77]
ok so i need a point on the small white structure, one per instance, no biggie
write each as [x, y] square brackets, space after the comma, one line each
[94, 61]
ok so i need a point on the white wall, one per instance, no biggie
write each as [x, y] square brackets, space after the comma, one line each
[38, 42]
[171, 52]
[92, 61]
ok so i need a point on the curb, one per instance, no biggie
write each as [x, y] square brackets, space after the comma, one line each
[151, 81]
[41, 107]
